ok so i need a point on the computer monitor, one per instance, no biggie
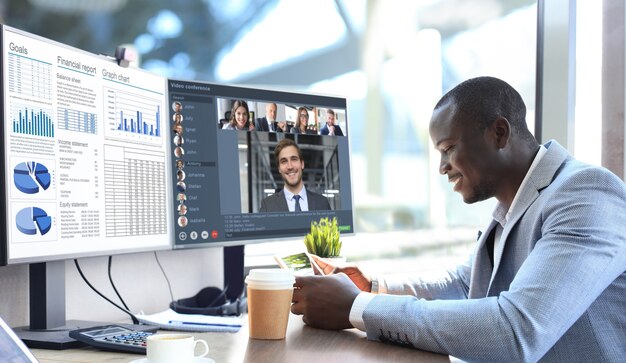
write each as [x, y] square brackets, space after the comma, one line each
[222, 174]
[85, 164]
[99, 159]
[85, 154]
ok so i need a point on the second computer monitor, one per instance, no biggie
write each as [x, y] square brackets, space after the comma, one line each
[229, 186]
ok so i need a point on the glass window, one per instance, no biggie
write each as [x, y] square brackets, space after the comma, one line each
[393, 63]
[588, 108]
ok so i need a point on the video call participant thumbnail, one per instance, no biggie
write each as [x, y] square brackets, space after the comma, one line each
[294, 197]
[240, 117]
[330, 128]
[268, 122]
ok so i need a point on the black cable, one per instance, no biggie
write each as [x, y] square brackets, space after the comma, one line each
[169, 286]
[135, 321]
[99, 293]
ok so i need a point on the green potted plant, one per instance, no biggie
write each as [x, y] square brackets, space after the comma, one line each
[323, 240]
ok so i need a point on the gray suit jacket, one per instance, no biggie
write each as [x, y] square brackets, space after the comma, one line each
[557, 288]
[277, 202]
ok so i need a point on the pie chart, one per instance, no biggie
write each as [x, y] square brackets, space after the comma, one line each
[32, 219]
[30, 176]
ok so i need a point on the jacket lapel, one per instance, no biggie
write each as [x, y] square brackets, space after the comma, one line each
[481, 266]
[282, 201]
[540, 178]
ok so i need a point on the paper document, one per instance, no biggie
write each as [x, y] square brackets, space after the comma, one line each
[171, 320]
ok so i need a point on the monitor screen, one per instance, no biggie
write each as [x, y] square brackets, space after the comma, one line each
[229, 187]
[86, 163]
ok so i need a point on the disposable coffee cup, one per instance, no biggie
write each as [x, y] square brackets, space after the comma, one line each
[168, 348]
[269, 302]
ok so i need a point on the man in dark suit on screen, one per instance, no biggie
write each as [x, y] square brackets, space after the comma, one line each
[268, 122]
[294, 197]
[330, 128]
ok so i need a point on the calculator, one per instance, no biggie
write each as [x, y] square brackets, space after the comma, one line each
[115, 337]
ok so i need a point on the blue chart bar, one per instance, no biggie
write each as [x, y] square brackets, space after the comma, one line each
[31, 122]
[135, 124]
[74, 120]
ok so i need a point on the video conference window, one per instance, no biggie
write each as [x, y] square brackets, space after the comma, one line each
[250, 177]
[275, 183]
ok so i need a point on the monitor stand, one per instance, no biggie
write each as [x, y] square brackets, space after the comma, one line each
[48, 328]
[233, 271]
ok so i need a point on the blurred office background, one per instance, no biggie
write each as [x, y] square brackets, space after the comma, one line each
[392, 59]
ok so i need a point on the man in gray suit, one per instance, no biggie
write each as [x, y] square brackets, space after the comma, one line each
[294, 197]
[267, 122]
[547, 280]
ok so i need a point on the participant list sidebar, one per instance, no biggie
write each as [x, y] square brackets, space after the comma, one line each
[194, 124]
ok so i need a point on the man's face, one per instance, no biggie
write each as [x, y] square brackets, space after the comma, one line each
[270, 112]
[241, 117]
[330, 118]
[467, 157]
[290, 166]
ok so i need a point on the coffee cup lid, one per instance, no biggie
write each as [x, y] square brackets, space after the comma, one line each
[270, 278]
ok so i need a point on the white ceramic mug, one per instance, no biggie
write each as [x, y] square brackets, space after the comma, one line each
[179, 348]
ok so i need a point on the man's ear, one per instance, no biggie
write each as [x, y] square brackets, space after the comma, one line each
[501, 129]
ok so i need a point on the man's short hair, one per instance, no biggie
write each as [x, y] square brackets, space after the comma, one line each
[331, 111]
[484, 99]
[283, 144]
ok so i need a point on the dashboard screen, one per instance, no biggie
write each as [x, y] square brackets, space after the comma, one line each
[85, 161]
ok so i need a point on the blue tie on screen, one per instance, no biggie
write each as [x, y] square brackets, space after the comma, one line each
[297, 198]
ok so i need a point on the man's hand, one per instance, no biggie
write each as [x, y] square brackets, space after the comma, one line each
[361, 280]
[324, 301]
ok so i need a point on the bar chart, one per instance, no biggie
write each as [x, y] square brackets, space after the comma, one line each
[135, 123]
[76, 120]
[131, 114]
[31, 120]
